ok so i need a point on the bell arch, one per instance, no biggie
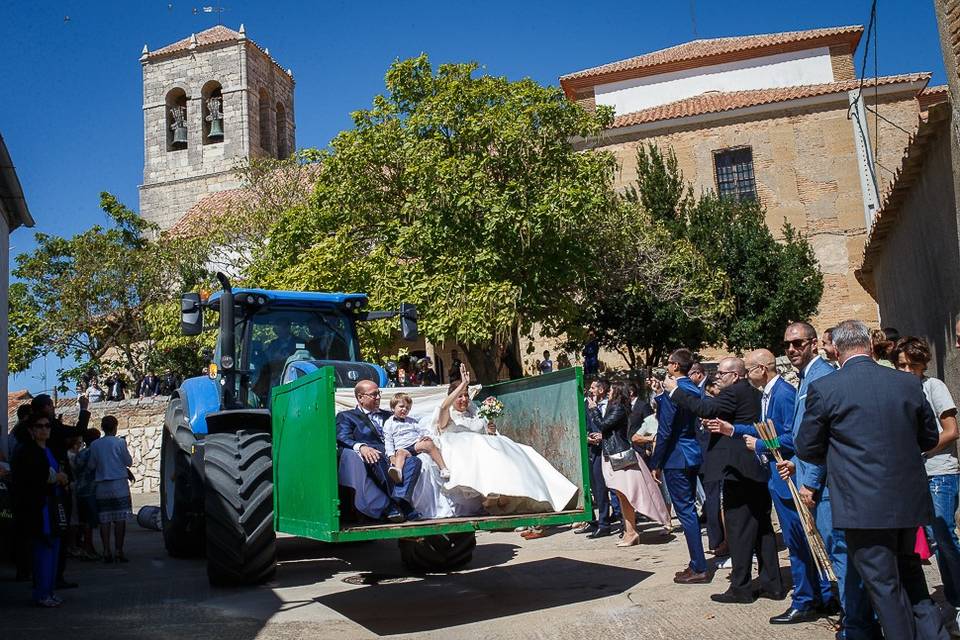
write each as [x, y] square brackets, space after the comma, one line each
[266, 142]
[176, 119]
[283, 149]
[212, 112]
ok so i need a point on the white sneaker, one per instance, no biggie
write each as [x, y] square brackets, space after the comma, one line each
[444, 474]
[395, 474]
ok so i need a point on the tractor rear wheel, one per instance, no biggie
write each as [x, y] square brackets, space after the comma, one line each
[241, 542]
[181, 494]
[433, 554]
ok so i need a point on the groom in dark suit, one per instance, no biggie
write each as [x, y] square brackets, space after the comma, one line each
[361, 430]
[870, 425]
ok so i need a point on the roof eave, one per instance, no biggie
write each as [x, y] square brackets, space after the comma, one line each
[570, 84]
[14, 204]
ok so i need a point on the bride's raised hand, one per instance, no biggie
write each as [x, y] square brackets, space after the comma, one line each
[464, 375]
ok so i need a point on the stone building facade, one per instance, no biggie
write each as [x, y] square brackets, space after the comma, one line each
[912, 257]
[780, 118]
[255, 98]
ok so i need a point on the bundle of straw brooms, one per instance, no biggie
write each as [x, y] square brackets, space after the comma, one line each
[768, 434]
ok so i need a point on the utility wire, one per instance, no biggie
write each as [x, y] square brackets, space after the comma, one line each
[887, 120]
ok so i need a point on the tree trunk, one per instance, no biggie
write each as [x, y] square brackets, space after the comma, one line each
[483, 362]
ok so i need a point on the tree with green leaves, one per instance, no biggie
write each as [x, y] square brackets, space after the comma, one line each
[766, 283]
[24, 329]
[93, 294]
[460, 192]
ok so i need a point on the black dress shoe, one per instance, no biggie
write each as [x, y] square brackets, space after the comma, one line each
[829, 608]
[599, 533]
[733, 597]
[773, 595]
[794, 616]
[615, 518]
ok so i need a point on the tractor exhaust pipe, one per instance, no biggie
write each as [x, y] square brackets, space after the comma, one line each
[228, 344]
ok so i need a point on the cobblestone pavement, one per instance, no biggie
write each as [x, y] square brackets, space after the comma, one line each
[560, 586]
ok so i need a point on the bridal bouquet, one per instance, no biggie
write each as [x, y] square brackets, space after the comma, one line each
[490, 408]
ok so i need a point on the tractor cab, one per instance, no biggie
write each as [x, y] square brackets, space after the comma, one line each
[271, 337]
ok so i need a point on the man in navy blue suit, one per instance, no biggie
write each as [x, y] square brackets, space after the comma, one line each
[677, 458]
[360, 430]
[871, 425]
[777, 405]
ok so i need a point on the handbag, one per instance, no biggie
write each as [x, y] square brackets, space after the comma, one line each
[619, 452]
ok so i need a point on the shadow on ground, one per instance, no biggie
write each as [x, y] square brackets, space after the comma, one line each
[434, 602]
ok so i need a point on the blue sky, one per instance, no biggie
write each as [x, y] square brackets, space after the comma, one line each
[71, 107]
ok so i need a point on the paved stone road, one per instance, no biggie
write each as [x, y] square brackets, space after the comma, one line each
[560, 586]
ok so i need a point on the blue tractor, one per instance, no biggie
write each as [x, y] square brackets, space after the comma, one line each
[216, 468]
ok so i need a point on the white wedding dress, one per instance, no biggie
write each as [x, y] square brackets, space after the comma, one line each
[494, 474]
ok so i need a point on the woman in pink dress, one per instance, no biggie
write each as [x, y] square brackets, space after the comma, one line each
[636, 489]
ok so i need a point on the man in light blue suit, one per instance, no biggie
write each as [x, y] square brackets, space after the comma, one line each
[778, 405]
[800, 344]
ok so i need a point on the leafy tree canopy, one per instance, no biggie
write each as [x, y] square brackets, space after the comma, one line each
[459, 192]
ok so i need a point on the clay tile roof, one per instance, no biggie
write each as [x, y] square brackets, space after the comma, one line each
[213, 35]
[932, 95]
[888, 215]
[211, 206]
[707, 50]
[717, 101]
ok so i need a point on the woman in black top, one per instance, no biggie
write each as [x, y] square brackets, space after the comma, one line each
[37, 502]
[636, 489]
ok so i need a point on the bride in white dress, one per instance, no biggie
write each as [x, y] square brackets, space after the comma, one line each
[489, 471]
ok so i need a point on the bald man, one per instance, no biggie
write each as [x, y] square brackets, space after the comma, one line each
[746, 501]
[777, 405]
[360, 433]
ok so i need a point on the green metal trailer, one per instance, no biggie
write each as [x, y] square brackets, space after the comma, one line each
[545, 412]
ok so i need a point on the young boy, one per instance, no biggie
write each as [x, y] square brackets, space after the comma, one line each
[404, 437]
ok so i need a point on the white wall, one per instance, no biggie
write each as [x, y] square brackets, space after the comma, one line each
[811, 66]
[4, 282]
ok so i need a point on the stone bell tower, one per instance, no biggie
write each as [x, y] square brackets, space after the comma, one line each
[210, 101]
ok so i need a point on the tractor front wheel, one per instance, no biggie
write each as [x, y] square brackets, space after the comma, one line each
[241, 542]
[437, 554]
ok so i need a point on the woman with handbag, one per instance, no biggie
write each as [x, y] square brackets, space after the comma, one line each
[39, 501]
[623, 470]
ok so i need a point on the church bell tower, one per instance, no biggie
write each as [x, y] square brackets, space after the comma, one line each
[210, 102]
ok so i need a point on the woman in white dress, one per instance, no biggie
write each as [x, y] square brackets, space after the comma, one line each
[489, 472]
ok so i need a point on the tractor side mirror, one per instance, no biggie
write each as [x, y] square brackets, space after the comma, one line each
[408, 321]
[191, 314]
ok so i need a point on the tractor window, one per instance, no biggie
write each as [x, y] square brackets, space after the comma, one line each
[279, 336]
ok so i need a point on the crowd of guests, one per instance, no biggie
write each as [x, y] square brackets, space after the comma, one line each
[867, 438]
[65, 482]
[114, 387]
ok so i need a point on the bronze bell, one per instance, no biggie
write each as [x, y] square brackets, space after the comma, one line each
[180, 135]
[215, 118]
[216, 128]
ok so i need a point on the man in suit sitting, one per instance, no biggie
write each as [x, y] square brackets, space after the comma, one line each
[361, 430]
[777, 406]
[870, 425]
[746, 501]
[677, 458]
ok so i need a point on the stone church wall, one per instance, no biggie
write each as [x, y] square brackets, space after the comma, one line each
[806, 171]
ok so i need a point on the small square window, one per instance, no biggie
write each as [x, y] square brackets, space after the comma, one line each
[735, 178]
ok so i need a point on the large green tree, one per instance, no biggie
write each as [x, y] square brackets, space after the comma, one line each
[741, 288]
[93, 293]
[24, 328]
[461, 192]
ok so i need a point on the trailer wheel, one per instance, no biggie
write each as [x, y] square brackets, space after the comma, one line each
[432, 554]
[181, 494]
[241, 542]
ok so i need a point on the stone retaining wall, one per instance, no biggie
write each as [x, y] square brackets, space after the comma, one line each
[141, 423]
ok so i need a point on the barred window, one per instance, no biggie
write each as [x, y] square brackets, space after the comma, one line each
[735, 177]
